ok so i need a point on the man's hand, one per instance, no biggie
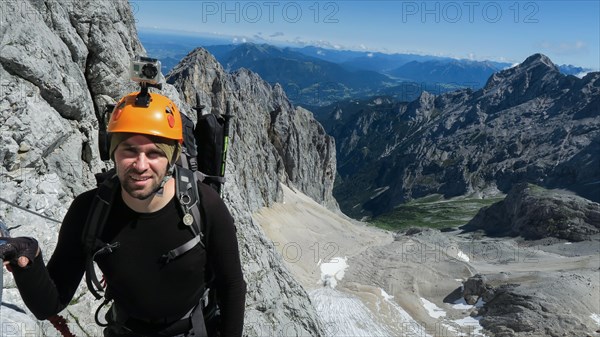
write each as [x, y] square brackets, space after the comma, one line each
[21, 251]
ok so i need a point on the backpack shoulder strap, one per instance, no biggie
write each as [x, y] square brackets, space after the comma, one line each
[188, 196]
[94, 225]
[189, 201]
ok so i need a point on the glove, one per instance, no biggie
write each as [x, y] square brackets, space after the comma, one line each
[11, 249]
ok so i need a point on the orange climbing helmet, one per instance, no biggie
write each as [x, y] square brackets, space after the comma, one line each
[155, 116]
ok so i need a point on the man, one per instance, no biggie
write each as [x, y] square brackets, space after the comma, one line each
[151, 296]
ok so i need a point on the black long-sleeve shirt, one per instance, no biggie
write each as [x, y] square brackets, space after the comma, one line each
[137, 277]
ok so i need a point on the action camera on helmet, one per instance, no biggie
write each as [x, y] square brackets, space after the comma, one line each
[145, 70]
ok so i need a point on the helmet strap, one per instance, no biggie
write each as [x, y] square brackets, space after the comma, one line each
[170, 170]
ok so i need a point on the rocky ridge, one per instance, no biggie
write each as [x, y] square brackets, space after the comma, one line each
[527, 305]
[292, 145]
[61, 63]
[534, 213]
[529, 123]
[286, 145]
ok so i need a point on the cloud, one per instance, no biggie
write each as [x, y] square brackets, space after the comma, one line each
[564, 48]
[239, 40]
[277, 34]
[582, 74]
[316, 43]
[300, 41]
[512, 65]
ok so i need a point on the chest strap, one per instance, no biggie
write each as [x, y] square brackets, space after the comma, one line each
[174, 253]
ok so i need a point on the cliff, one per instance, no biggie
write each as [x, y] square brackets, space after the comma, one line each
[62, 62]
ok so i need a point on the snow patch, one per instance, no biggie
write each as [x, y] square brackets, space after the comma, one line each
[386, 296]
[461, 304]
[388, 150]
[471, 324]
[463, 256]
[379, 191]
[466, 327]
[347, 315]
[333, 271]
[432, 309]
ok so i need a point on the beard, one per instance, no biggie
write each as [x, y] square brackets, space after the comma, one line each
[142, 192]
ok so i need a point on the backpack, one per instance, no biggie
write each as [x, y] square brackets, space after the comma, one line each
[203, 159]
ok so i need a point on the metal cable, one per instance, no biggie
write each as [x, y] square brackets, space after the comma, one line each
[28, 210]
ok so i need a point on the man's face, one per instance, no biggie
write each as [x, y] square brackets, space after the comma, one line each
[141, 166]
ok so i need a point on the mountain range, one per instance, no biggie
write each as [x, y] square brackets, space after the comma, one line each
[529, 123]
[390, 113]
[307, 80]
[314, 77]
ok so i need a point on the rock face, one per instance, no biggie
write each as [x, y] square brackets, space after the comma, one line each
[535, 213]
[535, 307]
[53, 55]
[530, 123]
[62, 62]
[286, 145]
[286, 142]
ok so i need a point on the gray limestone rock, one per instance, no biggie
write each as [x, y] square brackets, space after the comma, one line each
[530, 123]
[62, 62]
[288, 143]
[554, 305]
[535, 213]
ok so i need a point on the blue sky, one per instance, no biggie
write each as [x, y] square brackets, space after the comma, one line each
[510, 31]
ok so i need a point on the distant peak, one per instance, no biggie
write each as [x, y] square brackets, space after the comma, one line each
[261, 46]
[536, 60]
[426, 96]
[536, 65]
